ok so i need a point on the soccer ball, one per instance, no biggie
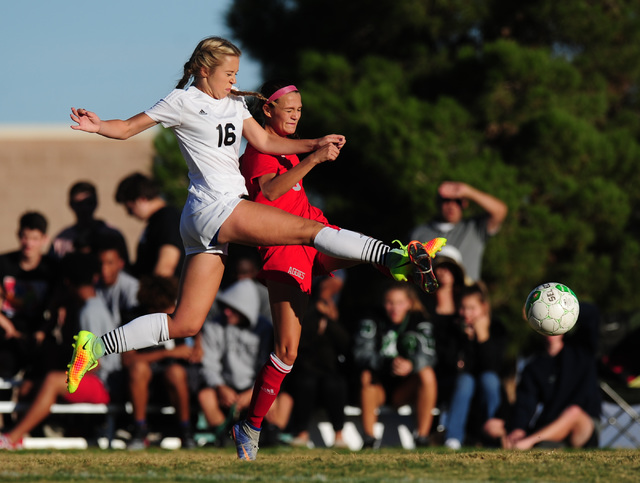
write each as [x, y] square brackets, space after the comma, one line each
[552, 308]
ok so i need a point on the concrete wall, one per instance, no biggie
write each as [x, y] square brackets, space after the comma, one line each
[38, 164]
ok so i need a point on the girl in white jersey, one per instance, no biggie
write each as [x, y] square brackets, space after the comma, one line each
[209, 118]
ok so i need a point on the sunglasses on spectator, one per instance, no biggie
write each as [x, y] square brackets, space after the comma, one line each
[450, 200]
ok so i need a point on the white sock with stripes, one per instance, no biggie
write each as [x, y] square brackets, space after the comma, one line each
[145, 331]
[350, 245]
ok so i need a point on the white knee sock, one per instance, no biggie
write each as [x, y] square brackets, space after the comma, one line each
[145, 331]
[350, 245]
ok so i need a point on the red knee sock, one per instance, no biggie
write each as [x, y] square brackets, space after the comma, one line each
[266, 389]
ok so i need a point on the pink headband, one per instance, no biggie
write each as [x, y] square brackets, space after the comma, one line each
[281, 92]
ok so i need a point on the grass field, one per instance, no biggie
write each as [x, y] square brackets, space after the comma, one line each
[321, 465]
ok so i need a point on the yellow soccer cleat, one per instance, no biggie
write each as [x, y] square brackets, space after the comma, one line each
[83, 359]
[404, 268]
[420, 255]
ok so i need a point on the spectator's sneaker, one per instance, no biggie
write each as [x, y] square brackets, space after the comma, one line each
[370, 442]
[82, 361]
[186, 439]
[453, 444]
[246, 440]
[340, 444]
[423, 274]
[422, 441]
[139, 440]
[299, 442]
[5, 443]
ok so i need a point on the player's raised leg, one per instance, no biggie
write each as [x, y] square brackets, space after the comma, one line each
[256, 224]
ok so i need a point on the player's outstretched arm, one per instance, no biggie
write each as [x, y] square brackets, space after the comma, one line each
[273, 144]
[115, 128]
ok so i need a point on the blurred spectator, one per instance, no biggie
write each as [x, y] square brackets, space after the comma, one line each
[248, 267]
[481, 347]
[444, 302]
[160, 249]
[557, 400]
[395, 353]
[117, 288]
[443, 307]
[27, 279]
[87, 230]
[317, 379]
[235, 344]
[165, 363]
[469, 235]
[84, 311]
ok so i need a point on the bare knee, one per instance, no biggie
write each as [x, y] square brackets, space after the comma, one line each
[366, 378]
[287, 353]
[574, 413]
[183, 327]
[139, 372]
[208, 399]
[427, 377]
[175, 375]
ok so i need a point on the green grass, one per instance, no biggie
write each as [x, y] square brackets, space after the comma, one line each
[321, 465]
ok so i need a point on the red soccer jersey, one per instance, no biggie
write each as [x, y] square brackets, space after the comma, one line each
[254, 164]
[292, 264]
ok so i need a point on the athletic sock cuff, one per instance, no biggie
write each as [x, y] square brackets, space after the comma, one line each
[279, 365]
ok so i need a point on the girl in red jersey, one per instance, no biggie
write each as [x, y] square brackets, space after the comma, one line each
[276, 180]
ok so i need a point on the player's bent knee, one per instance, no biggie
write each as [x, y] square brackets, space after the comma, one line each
[181, 328]
[287, 354]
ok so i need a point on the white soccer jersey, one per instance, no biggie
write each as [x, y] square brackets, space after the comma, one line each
[209, 133]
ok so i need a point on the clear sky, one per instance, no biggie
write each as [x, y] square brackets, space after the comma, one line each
[114, 57]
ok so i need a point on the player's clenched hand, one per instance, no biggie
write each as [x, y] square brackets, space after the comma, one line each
[337, 139]
[87, 121]
[328, 152]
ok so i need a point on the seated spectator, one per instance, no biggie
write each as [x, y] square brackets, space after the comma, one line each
[481, 346]
[168, 361]
[443, 307]
[87, 230]
[27, 278]
[317, 379]
[117, 288]
[395, 353]
[84, 311]
[235, 344]
[160, 249]
[557, 400]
